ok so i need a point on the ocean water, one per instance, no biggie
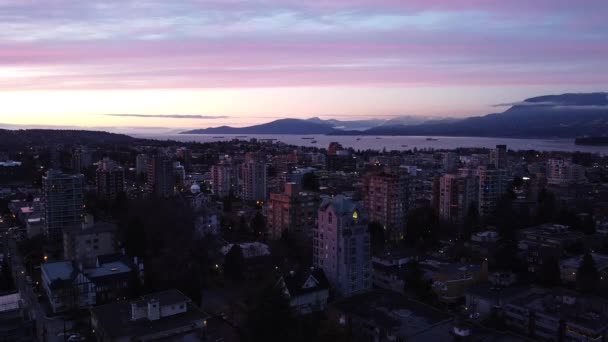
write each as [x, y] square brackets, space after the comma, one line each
[400, 143]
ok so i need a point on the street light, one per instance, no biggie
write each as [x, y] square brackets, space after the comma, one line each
[46, 258]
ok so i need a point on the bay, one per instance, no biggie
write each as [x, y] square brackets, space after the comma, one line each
[400, 143]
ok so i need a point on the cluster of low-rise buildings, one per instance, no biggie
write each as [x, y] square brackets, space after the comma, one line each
[325, 200]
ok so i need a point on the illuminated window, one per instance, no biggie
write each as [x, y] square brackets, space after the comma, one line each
[355, 215]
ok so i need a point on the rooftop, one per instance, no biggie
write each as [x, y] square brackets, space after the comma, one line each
[304, 282]
[9, 301]
[567, 305]
[490, 291]
[61, 270]
[340, 203]
[98, 227]
[115, 318]
[168, 297]
[601, 261]
[108, 269]
[250, 249]
[445, 332]
[392, 311]
[10, 163]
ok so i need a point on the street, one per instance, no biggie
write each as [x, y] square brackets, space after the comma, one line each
[52, 327]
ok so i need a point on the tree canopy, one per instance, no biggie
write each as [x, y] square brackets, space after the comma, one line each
[587, 276]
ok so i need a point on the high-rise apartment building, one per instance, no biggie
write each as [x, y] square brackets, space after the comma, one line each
[254, 180]
[450, 161]
[562, 172]
[492, 185]
[341, 246]
[179, 174]
[333, 148]
[185, 155]
[83, 244]
[498, 156]
[160, 177]
[385, 200]
[223, 179]
[141, 164]
[456, 195]
[110, 179]
[63, 196]
[82, 158]
[292, 212]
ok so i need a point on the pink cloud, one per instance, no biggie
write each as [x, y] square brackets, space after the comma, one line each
[524, 45]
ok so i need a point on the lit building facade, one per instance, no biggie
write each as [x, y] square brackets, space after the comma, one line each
[341, 246]
[110, 179]
[63, 196]
[292, 212]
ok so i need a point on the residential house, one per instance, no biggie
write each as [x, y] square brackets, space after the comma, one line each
[161, 316]
[307, 291]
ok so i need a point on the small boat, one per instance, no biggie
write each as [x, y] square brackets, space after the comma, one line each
[358, 138]
[403, 145]
[313, 142]
[308, 138]
[241, 136]
[431, 139]
[218, 137]
[378, 138]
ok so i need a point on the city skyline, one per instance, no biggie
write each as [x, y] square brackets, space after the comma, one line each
[194, 64]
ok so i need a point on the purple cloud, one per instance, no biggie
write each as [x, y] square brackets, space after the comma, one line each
[261, 43]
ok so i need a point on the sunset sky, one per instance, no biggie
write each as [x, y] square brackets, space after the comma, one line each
[240, 62]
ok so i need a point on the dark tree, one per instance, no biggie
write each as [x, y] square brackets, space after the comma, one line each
[549, 272]
[159, 232]
[587, 225]
[271, 171]
[135, 286]
[415, 282]
[120, 205]
[587, 276]
[506, 255]
[471, 222]
[310, 182]
[234, 264]
[504, 217]
[136, 237]
[568, 218]
[422, 228]
[6, 277]
[242, 227]
[330, 331]
[575, 248]
[227, 202]
[271, 318]
[376, 232]
[258, 225]
[517, 182]
[546, 206]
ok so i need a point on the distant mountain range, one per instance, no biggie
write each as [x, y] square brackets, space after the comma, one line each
[30, 137]
[282, 126]
[560, 116]
[361, 125]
